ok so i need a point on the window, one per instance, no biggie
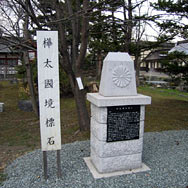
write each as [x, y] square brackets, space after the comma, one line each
[2, 61]
[12, 62]
[9, 61]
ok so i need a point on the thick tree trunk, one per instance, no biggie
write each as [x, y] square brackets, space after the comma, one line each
[73, 66]
[83, 117]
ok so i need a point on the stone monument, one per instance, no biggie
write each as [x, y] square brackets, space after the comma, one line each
[117, 117]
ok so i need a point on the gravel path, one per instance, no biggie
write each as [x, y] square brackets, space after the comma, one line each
[166, 153]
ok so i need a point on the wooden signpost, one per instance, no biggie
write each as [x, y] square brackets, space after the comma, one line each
[49, 98]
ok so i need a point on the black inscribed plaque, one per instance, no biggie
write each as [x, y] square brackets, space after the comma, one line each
[123, 123]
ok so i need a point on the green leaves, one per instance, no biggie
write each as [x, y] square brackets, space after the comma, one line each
[175, 15]
[176, 65]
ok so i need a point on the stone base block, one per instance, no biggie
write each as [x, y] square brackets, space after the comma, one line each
[25, 105]
[112, 164]
[99, 130]
[99, 114]
[1, 107]
[120, 148]
[101, 101]
[98, 175]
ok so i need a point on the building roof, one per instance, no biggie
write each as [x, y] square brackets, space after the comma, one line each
[181, 47]
[156, 55]
[182, 41]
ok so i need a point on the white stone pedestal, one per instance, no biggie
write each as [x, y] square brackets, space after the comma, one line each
[119, 155]
[117, 117]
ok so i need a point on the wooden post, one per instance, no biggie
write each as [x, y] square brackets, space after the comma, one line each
[58, 164]
[45, 165]
[49, 95]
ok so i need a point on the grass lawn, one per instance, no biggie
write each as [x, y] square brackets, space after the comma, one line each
[20, 130]
[168, 110]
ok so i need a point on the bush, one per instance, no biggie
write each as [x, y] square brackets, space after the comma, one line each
[23, 93]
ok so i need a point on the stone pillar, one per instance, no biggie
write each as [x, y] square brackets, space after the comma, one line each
[117, 117]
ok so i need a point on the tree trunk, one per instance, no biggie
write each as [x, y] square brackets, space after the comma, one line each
[99, 64]
[83, 117]
[28, 65]
[129, 24]
[77, 61]
[79, 96]
[137, 62]
[30, 83]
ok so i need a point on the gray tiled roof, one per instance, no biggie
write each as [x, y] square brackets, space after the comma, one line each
[180, 48]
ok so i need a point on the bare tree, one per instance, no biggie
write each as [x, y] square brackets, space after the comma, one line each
[128, 23]
[73, 65]
[27, 37]
[71, 20]
[124, 32]
[12, 16]
[136, 18]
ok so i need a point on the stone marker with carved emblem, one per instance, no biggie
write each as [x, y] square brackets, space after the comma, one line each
[117, 117]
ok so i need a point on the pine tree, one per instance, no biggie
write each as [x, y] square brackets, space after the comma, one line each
[172, 20]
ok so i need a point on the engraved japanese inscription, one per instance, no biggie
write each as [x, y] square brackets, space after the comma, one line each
[123, 123]
[48, 82]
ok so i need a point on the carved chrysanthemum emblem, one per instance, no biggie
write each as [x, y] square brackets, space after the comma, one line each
[121, 76]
